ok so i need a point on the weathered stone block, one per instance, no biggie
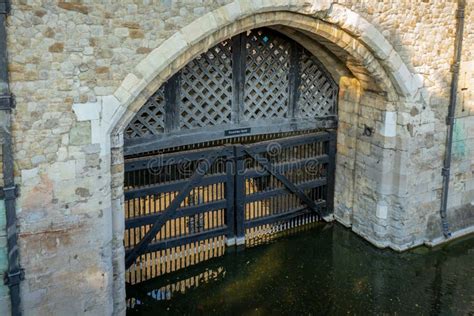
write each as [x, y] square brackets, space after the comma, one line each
[80, 134]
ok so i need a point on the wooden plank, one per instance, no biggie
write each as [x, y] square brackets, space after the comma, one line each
[239, 53]
[277, 192]
[170, 187]
[161, 160]
[229, 213]
[285, 167]
[239, 189]
[172, 110]
[181, 212]
[193, 136]
[167, 244]
[331, 173]
[289, 142]
[292, 187]
[202, 169]
[286, 216]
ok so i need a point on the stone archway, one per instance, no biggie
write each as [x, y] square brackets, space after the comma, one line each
[338, 30]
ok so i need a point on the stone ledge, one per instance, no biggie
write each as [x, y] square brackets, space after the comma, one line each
[457, 234]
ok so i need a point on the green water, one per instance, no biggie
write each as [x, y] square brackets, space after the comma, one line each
[327, 271]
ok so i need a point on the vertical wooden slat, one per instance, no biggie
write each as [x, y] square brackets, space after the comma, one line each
[239, 52]
[240, 192]
[172, 104]
[331, 173]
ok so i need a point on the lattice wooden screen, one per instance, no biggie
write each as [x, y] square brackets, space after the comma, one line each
[206, 88]
[317, 91]
[257, 82]
[150, 119]
[266, 76]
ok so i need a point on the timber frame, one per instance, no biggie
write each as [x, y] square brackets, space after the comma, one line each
[238, 87]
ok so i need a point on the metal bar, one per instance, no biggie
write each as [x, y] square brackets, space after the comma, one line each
[276, 192]
[181, 212]
[287, 183]
[179, 241]
[446, 171]
[172, 104]
[202, 169]
[170, 187]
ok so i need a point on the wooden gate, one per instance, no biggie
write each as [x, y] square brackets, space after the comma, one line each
[236, 146]
[255, 83]
[180, 204]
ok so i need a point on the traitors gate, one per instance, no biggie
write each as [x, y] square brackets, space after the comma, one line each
[236, 146]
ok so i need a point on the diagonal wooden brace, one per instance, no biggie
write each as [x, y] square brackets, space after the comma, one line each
[201, 170]
[287, 183]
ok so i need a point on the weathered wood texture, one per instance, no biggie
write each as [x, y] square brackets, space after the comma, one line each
[259, 79]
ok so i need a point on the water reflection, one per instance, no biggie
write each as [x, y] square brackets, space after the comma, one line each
[327, 270]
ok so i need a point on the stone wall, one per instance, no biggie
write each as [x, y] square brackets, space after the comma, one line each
[462, 194]
[68, 60]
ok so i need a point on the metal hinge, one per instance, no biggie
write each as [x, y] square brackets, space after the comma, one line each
[455, 67]
[449, 120]
[12, 279]
[7, 102]
[445, 172]
[9, 193]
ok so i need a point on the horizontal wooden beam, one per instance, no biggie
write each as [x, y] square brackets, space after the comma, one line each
[179, 241]
[225, 131]
[181, 212]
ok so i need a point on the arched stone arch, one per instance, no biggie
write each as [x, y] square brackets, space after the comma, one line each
[335, 23]
[336, 27]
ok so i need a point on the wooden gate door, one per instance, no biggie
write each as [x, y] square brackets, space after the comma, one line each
[283, 183]
[184, 205]
[237, 145]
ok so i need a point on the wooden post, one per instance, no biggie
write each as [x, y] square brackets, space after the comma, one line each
[239, 55]
[239, 195]
[172, 103]
[331, 173]
[230, 200]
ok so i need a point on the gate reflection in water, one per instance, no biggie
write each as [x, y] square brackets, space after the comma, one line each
[326, 270]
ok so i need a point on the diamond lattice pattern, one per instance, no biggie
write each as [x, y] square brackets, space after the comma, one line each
[317, 92]
[206, 88]
[266, 81]
[149, 120]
